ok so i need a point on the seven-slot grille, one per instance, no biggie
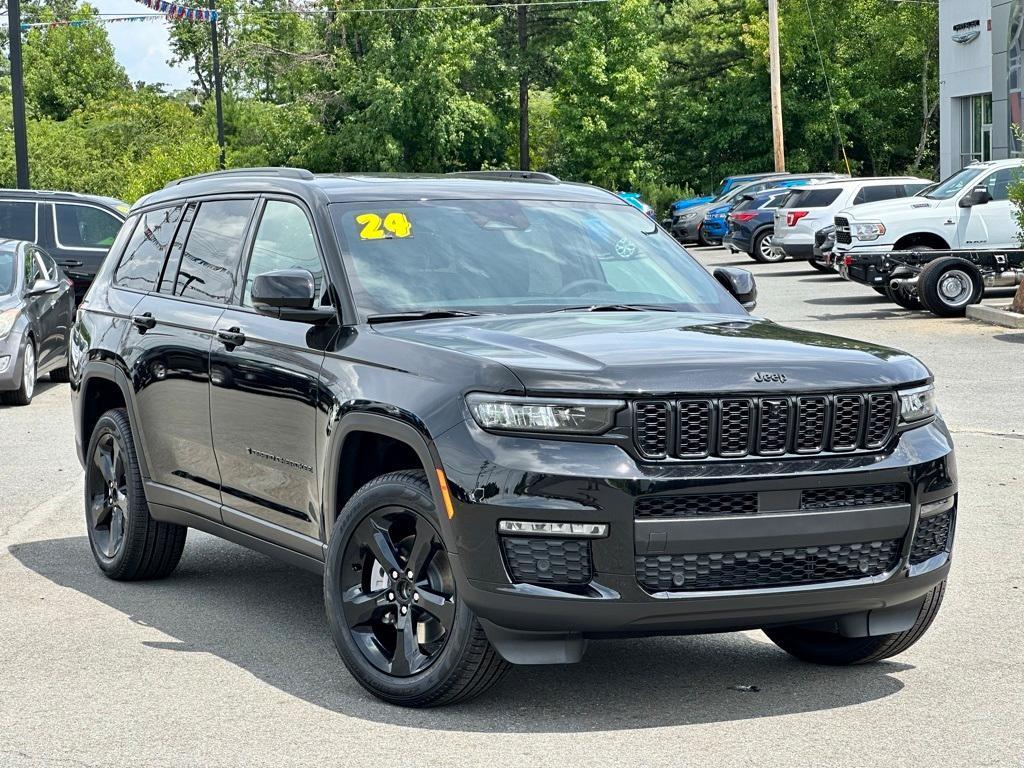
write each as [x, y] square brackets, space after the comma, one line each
[843, 231]
[734, 427]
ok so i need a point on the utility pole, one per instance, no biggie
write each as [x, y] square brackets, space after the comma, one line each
[776, 77]
[17, 94]
[217, 84]
[524, 92]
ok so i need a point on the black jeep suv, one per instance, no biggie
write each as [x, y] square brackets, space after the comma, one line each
[501, 416]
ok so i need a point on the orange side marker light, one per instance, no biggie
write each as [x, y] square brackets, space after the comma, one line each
[446, 497]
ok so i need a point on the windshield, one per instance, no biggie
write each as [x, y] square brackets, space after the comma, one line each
[954, 184]
[7, 272]
[512, 256]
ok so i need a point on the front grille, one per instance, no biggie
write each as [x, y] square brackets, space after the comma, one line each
[843, 230]
[707, 505]
[766, 568]
[652, 428]
[547, 561]
[853, 496]
[734, 427]
[932, 537]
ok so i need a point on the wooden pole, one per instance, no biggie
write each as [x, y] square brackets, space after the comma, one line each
[776, 78]
[17, 94]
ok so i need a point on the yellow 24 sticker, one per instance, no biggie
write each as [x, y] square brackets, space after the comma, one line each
[375, 227]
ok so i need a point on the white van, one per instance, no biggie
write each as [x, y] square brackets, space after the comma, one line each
[970, 209]
[808, 209]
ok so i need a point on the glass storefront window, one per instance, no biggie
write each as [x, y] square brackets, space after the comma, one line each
[976, 129]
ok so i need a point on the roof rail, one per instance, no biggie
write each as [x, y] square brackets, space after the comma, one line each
[287, 173]
[498, 174]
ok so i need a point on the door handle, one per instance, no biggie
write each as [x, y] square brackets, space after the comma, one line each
[144, 322]
[71, 263]
[231, 337]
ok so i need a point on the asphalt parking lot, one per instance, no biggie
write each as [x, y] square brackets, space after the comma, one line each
[229, 661]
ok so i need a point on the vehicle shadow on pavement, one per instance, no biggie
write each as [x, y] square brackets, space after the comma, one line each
[267, 618]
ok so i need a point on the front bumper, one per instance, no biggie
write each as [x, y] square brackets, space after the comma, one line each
[12, 348]
[496, 478]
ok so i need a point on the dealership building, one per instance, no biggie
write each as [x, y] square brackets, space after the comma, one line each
[981, 81]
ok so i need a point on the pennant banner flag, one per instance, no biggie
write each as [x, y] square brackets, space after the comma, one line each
[165, 9]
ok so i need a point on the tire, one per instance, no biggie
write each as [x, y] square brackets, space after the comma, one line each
[60, 375]
[127, 543]
[378, 621]
[821, 267]
[29, 375]
[702, 238]
[760, 249]
[948, 285]
[834, 650]
[902, 299]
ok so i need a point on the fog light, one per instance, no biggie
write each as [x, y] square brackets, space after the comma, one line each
[532, 528]
[937, 507]
[5, 361]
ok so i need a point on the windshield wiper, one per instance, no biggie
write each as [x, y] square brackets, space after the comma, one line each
[615, 308]
[421, 314]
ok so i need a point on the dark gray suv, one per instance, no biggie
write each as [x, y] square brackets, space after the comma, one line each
[501, 416]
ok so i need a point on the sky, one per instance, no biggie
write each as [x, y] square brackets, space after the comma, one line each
[143, 48]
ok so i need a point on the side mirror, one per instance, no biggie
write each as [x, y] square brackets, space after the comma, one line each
[740, 283]
[977, 196]
[40, 287]
[288, 294]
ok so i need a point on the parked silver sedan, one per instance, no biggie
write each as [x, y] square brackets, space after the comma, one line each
[37, 307]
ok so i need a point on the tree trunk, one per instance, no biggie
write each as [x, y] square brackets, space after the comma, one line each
[1018, 300]
[927, 110]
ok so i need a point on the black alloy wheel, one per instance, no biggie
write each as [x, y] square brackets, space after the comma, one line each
[398, 591]
[107, 494]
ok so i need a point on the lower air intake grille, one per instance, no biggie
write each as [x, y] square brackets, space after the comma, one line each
[708, 505]
[855, 496]
[766, 568]
[932, 537]
[547, 561]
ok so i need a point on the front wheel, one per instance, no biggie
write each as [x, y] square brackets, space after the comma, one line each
[394, 611]
[702, 236]
[29, 375]
[835, 650]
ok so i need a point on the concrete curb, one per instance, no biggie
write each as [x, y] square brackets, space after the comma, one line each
[994, 316]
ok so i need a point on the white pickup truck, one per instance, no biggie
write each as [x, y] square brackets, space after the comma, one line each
[968, 216]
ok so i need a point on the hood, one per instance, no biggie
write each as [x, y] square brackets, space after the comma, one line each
[680, 205]
[632, 353]
[918, 206]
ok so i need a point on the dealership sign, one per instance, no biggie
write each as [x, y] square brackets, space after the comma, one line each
[966, 32]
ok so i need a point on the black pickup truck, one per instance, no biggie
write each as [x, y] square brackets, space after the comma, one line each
[944, 282]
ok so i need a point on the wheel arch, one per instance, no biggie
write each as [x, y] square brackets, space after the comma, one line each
[406, 442]
[104, 386]
[928, 239]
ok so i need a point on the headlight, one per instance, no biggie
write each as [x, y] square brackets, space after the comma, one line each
[687, 216]
[917, 404]
[7, 318]
[532, 414]
[870, 230]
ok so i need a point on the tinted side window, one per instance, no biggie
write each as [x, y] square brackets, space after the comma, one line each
[878, 193]
[212, 252]
[18, 220]
[813, 198]
[284, 240]
[144, 255]
[999, 183]
[82, 226]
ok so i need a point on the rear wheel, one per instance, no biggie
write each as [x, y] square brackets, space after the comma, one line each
[947, 286]
[29, 375]
[762, 249]
[128, 544]
[827, 648]
[394, 611]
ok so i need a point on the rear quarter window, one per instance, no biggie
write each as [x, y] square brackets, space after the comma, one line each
[18, 220]
[144, 255]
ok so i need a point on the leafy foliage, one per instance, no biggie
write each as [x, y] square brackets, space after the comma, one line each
[630, 94]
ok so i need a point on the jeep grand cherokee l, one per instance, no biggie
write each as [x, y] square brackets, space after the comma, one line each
[501, 417]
